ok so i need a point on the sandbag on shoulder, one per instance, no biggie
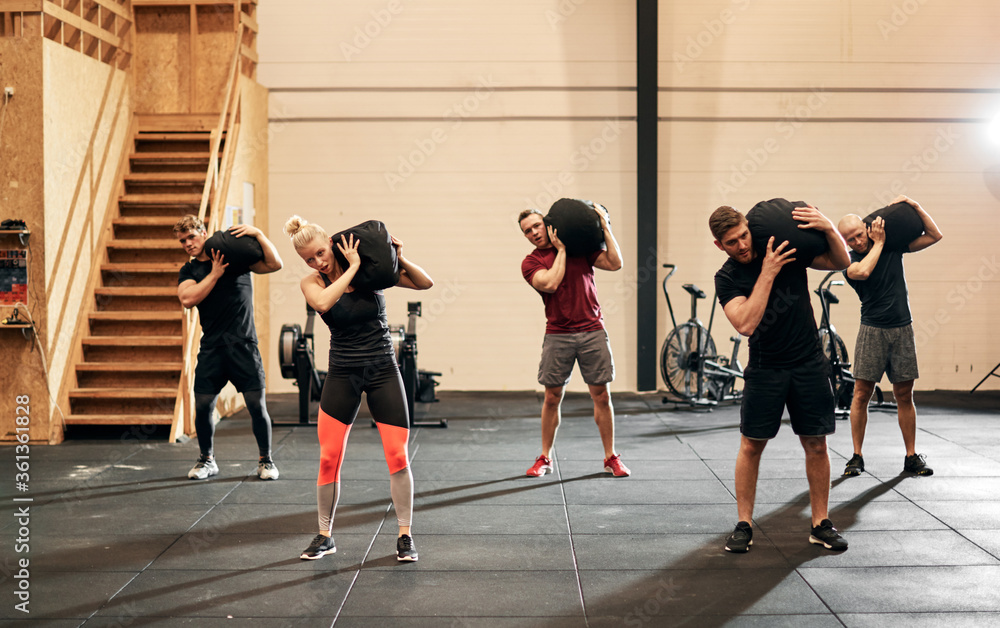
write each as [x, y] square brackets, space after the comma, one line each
[239, 253]
[379, 264]
[577, 226]
[902, 225]
[774, 218]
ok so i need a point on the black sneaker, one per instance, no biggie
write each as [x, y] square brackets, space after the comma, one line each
[854, 466]
[826, 535]
[917, 464]
[320, 547]
[405, 550]
[741, 539]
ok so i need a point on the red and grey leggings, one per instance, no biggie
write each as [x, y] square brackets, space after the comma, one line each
[339, 406]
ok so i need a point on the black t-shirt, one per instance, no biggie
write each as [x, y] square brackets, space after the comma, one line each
[885, 301]
[226, 314]
[787, 335]
[359, 329]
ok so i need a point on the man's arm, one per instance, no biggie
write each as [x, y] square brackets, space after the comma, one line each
[548, 279]
[860, 271]
[191, 292]
[745, 313]
[834, 259]
[932, 235]
[271, 261]
[610, 259]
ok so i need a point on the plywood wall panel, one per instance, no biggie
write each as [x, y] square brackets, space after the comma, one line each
[22, 193]
[162, 60]
[213, 55]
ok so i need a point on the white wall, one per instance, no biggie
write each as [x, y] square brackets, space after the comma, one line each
[444, 119]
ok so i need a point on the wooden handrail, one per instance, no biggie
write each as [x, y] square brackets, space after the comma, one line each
[213, 199]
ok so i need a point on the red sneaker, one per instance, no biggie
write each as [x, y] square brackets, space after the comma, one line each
[614, 466]
[542, 466]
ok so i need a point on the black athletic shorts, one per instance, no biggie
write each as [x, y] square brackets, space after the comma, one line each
[383, 387]
[805, 389]
[238, 363]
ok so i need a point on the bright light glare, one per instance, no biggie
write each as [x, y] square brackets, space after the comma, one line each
[994, 129]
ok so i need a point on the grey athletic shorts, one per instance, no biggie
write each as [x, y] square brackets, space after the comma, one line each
[889, 351]
[590, 348]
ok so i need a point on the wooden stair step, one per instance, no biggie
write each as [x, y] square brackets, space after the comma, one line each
[144, 244]
[120, 419]
[133, 341]
[141, 267]
[160, 199]
[185, 178]
[123, 393]
[145, 221]
[159, 136]
[130, 366]
[136, 316]
[172, 157]
[136, 291]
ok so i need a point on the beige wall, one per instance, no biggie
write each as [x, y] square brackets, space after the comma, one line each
[87, 111]
[845, 105]
[446, 118]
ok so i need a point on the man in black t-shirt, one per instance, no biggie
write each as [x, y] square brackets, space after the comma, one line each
[885, 339]
[228, 351]
[765, 295]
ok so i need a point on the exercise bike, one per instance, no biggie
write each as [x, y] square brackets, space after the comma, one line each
[835, 350]
[689, 361]
[297, 360]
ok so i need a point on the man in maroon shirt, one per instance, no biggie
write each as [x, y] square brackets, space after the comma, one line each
[574, 332]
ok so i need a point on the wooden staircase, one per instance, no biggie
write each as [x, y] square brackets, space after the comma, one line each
[131, 354]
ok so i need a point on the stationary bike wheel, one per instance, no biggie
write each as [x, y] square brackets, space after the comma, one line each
[679, 358]
[829, 347]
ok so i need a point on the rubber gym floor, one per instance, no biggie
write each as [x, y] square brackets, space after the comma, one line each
[119, 536]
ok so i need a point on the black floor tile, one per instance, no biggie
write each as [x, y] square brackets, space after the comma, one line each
[282, 594]
[896, 589]
[501, 549]
[404, 592]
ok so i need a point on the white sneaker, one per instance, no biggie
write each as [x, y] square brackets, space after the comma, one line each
[266, 470]
[205, 468]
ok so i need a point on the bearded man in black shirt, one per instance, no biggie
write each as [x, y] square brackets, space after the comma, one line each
[765, 295]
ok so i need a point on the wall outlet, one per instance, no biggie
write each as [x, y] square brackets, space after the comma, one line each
[8, 92]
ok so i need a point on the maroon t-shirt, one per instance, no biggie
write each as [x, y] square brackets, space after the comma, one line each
[573, 307]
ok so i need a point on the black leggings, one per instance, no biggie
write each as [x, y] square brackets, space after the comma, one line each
[204, 406]
[383, 384]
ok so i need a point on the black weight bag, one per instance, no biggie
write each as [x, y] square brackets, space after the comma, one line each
[240, 253]
[379, 265]
[902, 225]
[774, 218]
[577, 226]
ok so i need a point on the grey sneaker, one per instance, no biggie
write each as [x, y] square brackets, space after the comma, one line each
[266, 470]
[405, 550]
[917, 464]
[741, 539]
[826, 535]
[854, 466]
[320, 547]
[203, 469]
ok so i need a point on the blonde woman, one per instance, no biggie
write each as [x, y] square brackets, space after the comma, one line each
[362, 360]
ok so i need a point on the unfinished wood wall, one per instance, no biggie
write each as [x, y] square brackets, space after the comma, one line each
[22, 194]
[182, 57]
[446, 118]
